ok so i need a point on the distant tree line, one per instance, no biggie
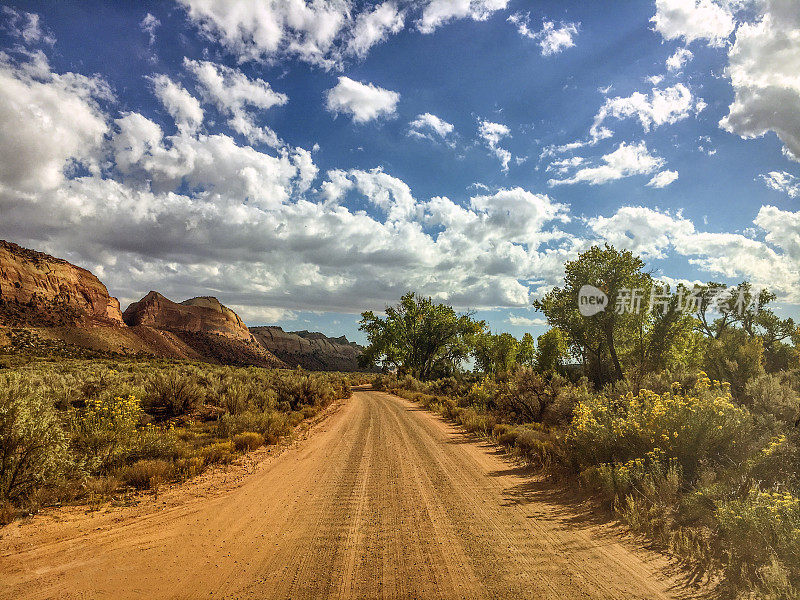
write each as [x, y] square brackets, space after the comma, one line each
[686, 327]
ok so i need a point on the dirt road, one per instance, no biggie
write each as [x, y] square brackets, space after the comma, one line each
[383, 500]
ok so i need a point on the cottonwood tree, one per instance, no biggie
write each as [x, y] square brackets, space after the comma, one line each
[633, 335]
[721, 310]
[496, 353]
[552, 351]
[597, 339]
[419, 337]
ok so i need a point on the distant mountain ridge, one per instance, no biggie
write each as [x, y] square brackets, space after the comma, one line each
[310, 350]
[47, 303]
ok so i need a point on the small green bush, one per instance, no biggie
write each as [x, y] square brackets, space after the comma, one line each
[218, 453]
[762, 535]
[33, 449]
[145, 474]
[247, 441]
[172, 394]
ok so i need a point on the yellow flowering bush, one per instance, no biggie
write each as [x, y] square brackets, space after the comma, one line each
[105, 430]
[690, 426]
[483, 393]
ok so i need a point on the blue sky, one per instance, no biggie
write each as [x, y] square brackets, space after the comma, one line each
[305, 161]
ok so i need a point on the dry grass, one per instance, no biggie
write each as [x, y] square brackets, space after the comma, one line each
[96, 427]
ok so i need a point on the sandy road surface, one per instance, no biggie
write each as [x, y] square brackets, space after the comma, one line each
[383, 500]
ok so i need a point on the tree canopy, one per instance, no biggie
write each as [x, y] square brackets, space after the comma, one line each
[419, 337]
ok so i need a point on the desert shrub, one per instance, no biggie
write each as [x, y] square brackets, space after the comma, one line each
[171, 393]
[762, 539]
[298, 389]
[482, 394]
[776, 464]
[247, 441]
[7, 512]
[703, 425]
[33, 448]
[568, 397]
[538, 446]
[529, 395]
[776, 394]
[447, 386]
[409, 382]
[478, 423]
[145, 474]
[271, 425]
[385, 381]
[101, 487]
[736, 358]
[188, 467]
[104, 432]
[309, 411]
[218, 453]
[152, 442]
[235, 398]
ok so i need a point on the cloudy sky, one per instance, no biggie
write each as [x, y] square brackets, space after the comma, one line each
[307, 160]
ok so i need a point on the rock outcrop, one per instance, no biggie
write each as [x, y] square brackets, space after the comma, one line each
[310, 350]
[39, 289]
[209, 329]
[196, 315]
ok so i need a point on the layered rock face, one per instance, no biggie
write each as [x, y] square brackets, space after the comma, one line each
[197, 315]
[204, 325]
[313, 351]
[39, 289]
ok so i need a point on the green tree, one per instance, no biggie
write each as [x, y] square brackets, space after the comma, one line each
[721, 310]
[496, 353]
[526, 353]
[597, 339]
[552, 351]
[419, 337]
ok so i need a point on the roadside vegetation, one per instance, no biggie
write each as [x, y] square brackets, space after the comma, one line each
[683, 421]
[78, 431]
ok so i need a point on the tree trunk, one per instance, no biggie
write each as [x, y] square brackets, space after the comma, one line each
[613, 351]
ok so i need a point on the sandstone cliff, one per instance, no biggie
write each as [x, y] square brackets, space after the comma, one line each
[196, 315]
[312, 351]
[209, 329]
[39, 289]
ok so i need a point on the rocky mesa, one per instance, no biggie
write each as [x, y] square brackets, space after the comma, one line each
[39, 289]
[204, 325]
[310, 350]
[204, 314]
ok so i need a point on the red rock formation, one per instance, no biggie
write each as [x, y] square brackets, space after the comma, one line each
[39, 289]
[210, 329]
[197, 315]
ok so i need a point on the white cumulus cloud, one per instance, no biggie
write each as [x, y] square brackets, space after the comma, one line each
[238, 97]
[627, 160]
[373, 27]
[662, 179]
[492, 134]
[438, 12]
[362, 101]
[551, 38]
[678, 60]
[764, 69]
[430, 127]
[692, 20]
[781, 181]
[660, 107]
[181, 105]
